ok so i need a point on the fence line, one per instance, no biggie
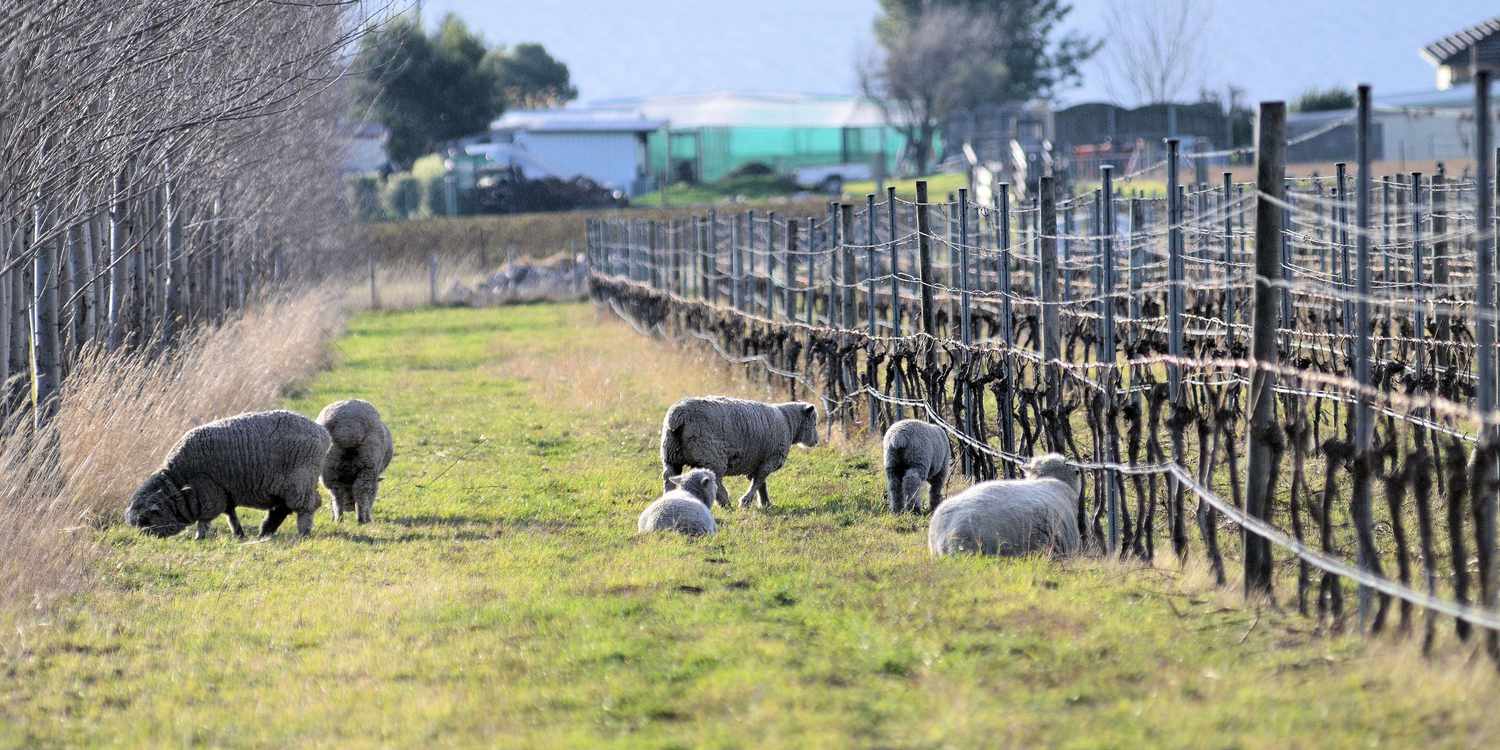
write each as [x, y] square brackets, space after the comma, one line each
[1348, 340]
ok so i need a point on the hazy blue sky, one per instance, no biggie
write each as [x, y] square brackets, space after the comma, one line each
[1273, 48]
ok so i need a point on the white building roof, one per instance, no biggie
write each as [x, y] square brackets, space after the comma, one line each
[729, 109]
[577, 120]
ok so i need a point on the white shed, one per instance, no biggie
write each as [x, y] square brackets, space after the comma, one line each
[606, 146]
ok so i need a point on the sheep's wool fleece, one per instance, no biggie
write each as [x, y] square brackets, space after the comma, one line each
[677, 511]
[731, 436]
[1014, 517]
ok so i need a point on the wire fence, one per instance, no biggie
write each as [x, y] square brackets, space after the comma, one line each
[1124, 332]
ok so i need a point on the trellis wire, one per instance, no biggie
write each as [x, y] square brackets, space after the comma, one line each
[1370, 366]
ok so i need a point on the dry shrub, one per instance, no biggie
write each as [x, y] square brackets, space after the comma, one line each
[118, 414]
[406, 285]
[499, 237]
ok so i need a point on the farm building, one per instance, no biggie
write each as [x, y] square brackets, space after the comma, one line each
[364, 147]
[1455, 55]
[710, 135]
[1412, 128]
[607, 146]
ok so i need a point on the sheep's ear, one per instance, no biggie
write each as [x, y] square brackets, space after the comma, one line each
[678, 480]
[808, 410]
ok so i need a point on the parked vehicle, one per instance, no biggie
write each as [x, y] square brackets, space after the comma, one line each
[830, 178]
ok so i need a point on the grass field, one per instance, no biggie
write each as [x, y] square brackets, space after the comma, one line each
[501, 599]
[938, 187]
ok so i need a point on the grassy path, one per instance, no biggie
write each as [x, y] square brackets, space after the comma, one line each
[500, 599]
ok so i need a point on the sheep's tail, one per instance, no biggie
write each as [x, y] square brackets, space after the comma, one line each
[671, 430]
[346, 432]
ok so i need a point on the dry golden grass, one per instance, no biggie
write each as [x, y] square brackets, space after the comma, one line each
[117, 416]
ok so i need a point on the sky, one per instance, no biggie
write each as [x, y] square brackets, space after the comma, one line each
[1274, 49]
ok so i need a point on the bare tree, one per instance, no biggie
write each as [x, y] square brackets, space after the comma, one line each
[1155, 48]
[154, 156]
[926, 71]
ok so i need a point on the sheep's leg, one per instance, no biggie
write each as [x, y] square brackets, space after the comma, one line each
[935, 492]
[750, 493]
[765, 494]
[202, 532]
[895, 491]
[234, 522]
[667, 472]
[307, 510]
[911, 487]
[364, 493]
[274, 517]
[722, 493]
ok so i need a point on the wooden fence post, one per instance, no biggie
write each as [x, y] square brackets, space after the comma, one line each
[653, 259]
[812, 273]
[1107, 353]
[1270, 182]
[751, 280]
[1364, 423]
[891, 229]
[789, 268]
[870, 321]
[1007, 327]
[847, 276]
[1484, 259]
[966, 452]
[1175, 275]
[735, 264]
[1227, 196]
[836, 248]
[432, 279]
[924, 264]
[1047, 281]
[711, 257]
[771, 265]
[1418, 279]
[924, 280]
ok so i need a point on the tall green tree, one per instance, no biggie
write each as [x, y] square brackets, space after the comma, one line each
[427, 88]
[1023, 36]
[529, 78]
[1324, 100]
[942, 56]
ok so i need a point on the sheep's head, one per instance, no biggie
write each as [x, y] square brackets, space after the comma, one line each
[804, 419]
[700, 483]
[1054, 466]
[157, 507]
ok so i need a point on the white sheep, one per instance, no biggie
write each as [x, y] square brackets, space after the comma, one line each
[1012, 517]
[734, 437]
[361, 451]
[915, 452]
[684, 509]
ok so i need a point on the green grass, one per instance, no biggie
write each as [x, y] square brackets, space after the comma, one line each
[502, 599]
[739, 188]
[938, 186]
[1146, 186]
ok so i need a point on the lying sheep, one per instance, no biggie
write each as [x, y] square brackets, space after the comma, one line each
[267, 460]
[684, 509]
[915, 452]
[734, 437]
[1013, 517]
[361, 451]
